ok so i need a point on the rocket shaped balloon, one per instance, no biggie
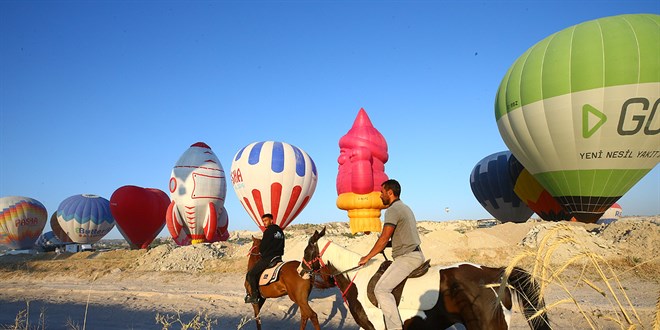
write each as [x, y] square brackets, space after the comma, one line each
[362, 158]
[198, 189]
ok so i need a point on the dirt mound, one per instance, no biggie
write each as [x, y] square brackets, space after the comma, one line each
[184, 258]
[638, 237]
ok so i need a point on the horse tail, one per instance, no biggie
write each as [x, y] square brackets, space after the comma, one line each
[529, 299]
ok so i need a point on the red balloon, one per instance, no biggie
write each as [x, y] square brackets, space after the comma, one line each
[139, 213]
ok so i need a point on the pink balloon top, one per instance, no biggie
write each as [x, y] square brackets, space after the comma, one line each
[362, 158]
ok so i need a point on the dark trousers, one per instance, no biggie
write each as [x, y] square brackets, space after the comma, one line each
[254, 274]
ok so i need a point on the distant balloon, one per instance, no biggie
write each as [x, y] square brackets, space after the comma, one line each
[580, 110]
[48, 241]
[22, 219]
[198, 189]
[362, 158]
[447, 209]
[492, 185]
[85, 218]
[612, 214]
[534, 195]
[273, 177]
[58, 231]
[139, 214]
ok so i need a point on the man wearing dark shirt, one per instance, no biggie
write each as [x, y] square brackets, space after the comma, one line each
[271, 248]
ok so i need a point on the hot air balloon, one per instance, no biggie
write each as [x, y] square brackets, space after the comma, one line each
[139, 213]
[273, 177]
[58, 231]
[221, 232]
[85, 218]
[492, 185]
[362, 158]
[580, 110]
[22, 219]
[611, 215]
[48, 242]
[198, 189]
[534, 195]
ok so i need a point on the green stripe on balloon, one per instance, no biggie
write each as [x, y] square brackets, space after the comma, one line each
[590, 182]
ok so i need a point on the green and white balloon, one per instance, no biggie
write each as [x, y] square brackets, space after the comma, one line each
[580, 110]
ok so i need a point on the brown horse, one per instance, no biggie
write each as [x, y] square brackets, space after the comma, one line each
[289, 282]
[464, 293]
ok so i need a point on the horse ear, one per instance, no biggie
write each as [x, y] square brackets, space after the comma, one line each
[322, 233]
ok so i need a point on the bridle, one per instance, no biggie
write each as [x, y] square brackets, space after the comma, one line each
[311, 270]
[308, 268]
[252, 249]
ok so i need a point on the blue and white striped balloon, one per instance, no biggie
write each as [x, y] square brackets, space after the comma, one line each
[273, 177]
[85, 218]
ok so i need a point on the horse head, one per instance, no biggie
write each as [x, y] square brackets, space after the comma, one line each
[311, 262]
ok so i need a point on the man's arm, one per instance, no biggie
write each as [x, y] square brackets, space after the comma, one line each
[380, 244]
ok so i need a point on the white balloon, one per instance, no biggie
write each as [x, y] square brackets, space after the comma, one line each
[273, 177]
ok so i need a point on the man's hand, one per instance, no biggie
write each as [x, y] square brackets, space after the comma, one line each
[363, 260]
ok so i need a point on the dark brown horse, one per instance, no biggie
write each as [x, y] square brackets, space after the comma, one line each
[289, 282]
[464, 293]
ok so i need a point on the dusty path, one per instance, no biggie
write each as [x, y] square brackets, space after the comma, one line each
[128, 289]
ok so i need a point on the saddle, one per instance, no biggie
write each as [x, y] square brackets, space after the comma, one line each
[272, 273]
[418, 272]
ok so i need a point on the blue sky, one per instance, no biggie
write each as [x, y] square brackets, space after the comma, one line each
[95, 95]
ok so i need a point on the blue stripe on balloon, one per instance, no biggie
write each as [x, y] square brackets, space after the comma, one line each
[277, 160]
[253, 158]
[313, 166]
[239, 154]
[300, 161]
[83, 210]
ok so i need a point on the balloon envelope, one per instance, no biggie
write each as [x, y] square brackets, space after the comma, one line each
[85, 218]
[58, 231]
[580, 110]
[22, 219]
[537, 198]
[492, 185]
[139, 213]
[48, 241]
[612, 214]
[273, 177]
[198, 189]
[362, 158]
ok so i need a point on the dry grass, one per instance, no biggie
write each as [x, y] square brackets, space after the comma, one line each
[201, 320]
[593, 271]
[22, 320]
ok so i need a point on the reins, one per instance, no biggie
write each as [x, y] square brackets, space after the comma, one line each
[252, 253]
[320, 270]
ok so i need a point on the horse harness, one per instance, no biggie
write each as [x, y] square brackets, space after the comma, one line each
[398, 290]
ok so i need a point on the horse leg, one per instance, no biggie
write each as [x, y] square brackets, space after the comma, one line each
[307, 313]
[257, 310]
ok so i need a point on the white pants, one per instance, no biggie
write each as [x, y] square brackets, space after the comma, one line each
[400, 268]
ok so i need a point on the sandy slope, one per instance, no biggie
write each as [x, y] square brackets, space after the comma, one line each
[127, 289]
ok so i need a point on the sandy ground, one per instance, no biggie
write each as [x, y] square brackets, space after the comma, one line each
[130, 289]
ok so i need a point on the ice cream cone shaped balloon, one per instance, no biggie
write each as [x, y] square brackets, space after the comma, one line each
[273, 177]
[362, 158]
[198, 189]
